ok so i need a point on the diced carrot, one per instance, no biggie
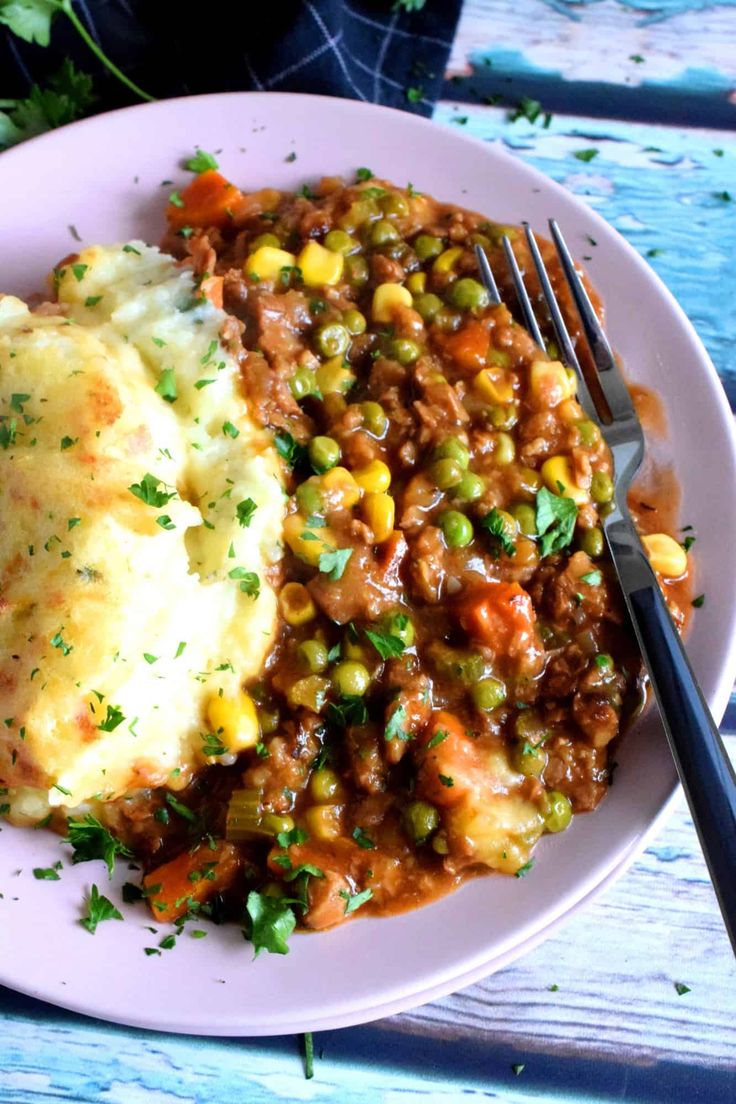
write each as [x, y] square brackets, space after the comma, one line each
[450, 767]
[212, 289]
[210, 200]
[501, 616]
[190, 879]
[468, 347]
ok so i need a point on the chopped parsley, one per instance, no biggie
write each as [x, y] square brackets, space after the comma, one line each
[166, 386]
[446, 780]
[57, 641]
[408, 5]
[524, 870]
[363, 174]
[98, 909]
[294, 835]
[592, 578]
[440, 735]
[272, 921]
[212, 745]
[201, 162]
[72, 523]
[79, 271]
[47, 873]
[681, 988]
[526, 108]
[333, 563]
[556, 517]
[92, 300]
[148, 491]
[495, 525]
[699, 601]
[415, 95]
[230, 430]
[348, 711]
[113, 718]
[131, 249]
[165, 521]
[91, 840]
[176, 200]
[355, 900]
[586, 154]
[517, 1068]
[387, 646]
[309, 1051]
[250, 584]
[67, 443]
[150, 658]
[363, 840]
[179, 807]
[244, 512]
[288, 449]
[395, 726]
[636, 58]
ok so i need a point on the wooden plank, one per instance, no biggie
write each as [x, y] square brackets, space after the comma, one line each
[579, 57]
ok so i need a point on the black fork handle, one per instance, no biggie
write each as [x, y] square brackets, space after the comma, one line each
[701, 759]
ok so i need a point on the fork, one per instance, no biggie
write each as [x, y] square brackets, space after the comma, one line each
[702, 762]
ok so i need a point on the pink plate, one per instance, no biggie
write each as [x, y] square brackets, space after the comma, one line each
[104, 177]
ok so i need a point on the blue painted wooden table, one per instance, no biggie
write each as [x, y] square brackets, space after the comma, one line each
[595, 1012]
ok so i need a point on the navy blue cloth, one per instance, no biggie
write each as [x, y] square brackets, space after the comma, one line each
[371, 50]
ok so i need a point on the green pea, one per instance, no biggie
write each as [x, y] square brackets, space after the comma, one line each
[448, 321]
[499, 358]
[457, 528]
[470, 488]
[265, 239]
[404, 350]
[480, 239]
[399, 624]
[505, 449]
[276, 822]
[268, 717]
[309, 497]
[446, 473]
[529, 726]
[426, 247]
[452, 448]
[529, 481]
[601, 487]
[427, 305]
[504, 416]
[324, 453]
[528, 759]
[526, 517]
[590, 435]
[394, 205]
[558, 812]
[468, 294]
[374, 418]
[356, 271]
[382, 233]
[351, 679]
[354, 322]
[303, 383]
[337, 241]
[488, 694]
[420, 820]
[324, 786]
[331, 339]
[591, 542]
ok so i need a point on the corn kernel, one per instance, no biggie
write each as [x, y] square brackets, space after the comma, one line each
[374, 477]
[386, 298]
[494, 385]
[571, 412]
[319, 265]
[308, 544]
[550, 384]
[340, 489]
[667, 557]
[234, 720]
[266, 263]
[297, 607]
[417, 282]
[447, 260]
[334, 377]
[557, 474]
[324, 821]
[379, 511]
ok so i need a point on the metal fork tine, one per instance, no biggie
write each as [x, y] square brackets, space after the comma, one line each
[527, 310]
[558, 322]
[487, 276]
[613, 386]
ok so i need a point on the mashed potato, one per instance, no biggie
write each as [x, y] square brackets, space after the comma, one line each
[141, 508]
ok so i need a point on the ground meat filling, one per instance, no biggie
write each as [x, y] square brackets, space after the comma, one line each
[453, 663]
